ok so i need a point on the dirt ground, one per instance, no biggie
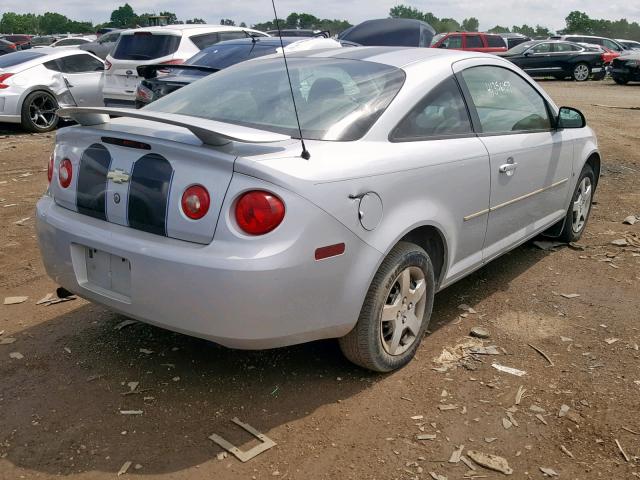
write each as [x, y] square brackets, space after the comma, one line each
[60, 404]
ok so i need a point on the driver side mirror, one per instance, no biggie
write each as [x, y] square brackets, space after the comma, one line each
[528, 53]
[570, 118]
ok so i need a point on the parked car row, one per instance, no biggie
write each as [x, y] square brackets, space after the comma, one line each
[145, 64]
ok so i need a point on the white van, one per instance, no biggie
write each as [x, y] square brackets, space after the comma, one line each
[172, 44]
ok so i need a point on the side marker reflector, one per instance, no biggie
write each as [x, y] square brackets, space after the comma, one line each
[330, 251]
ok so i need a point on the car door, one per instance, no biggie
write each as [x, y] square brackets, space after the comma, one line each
[452, 42]
[439, 127]
[83, 74]
[538, 59]
[563, 55]
[530, 161]
[473, 42]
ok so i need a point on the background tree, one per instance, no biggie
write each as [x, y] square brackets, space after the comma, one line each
[228, 22]
[196, 20]
[470, 24]
[124, 17]
[499, 29]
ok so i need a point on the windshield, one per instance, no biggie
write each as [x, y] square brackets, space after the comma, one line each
[518, 49]
[437, 38]
[12, 59]
[223, 56]
[145, 46]
[337, 99]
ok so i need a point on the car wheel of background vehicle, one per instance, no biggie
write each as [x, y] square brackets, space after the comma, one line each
[581, 72]
[599, 77]
[395, 313]
[621, 80]
[39, 112]
[580, 207]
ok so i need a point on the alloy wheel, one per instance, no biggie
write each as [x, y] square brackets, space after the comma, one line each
[403, 311]
[581, 72]
[582, 204]
[42, 110]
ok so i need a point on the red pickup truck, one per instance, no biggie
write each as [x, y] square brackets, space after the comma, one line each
[470, 41]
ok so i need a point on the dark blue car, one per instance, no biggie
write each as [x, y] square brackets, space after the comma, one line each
[160, 80]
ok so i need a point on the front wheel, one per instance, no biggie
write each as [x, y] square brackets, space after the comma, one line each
[580, 208]
[39, 112]
[395, 313]
[621, 80]
[581, 72]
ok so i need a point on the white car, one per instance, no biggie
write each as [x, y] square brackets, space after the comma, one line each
[69, 42]
[35, 83]
[172, 44]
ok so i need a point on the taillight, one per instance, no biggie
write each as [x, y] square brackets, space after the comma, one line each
[259, 212]
[107, 65]
[65, 173]
[12, 46]
[3, 77]
[50, 168]
[195, 202]
[144, 94]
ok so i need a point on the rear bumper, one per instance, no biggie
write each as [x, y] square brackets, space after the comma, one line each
[118, 102]
[280, 296]
[630, 73]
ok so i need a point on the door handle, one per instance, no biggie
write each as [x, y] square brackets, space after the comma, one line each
[510, 167]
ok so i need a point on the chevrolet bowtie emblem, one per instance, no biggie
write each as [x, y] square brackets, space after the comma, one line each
[118, 176]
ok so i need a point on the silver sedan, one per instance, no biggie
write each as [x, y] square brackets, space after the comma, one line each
[202, 213]
[35, 82]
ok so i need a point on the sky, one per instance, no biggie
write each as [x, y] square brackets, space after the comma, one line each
[549, 13]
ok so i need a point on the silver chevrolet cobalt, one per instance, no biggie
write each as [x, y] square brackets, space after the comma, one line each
[201, 213]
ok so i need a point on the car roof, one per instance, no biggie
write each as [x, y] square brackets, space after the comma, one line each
[393, 56]
[184, 28]
[274, 41]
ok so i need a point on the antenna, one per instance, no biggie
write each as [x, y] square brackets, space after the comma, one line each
[305, 153]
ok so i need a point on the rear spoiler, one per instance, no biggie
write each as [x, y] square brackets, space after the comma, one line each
[151, 71]
[210, 132]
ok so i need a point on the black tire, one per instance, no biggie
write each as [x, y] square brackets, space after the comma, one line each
[364, 344]
[569, 231]
[599, 77]
[621, 80]
[578, 73]
[49, 105]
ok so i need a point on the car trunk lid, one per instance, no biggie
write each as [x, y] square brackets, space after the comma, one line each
[135, 173]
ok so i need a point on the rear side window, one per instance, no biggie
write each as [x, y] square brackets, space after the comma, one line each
[80, 63]
[145, 46]
[454, 41]
[504, 101]
[495, 41]
[441, 113]
[206, 40]
[474, 41]
[565, 47]
[12, 59]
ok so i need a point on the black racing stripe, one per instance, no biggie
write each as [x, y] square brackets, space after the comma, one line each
[92, 181]
[149, 194]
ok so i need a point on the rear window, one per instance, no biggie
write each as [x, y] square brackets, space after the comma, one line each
[145, 46]
[337, 99]
[474, 41]
[495, 41]
[12, 59]
[223, 56]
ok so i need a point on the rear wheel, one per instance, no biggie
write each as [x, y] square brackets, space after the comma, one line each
[581, 72]
[621, 80]
[580, 208]
[38, 112]
[395, 313]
